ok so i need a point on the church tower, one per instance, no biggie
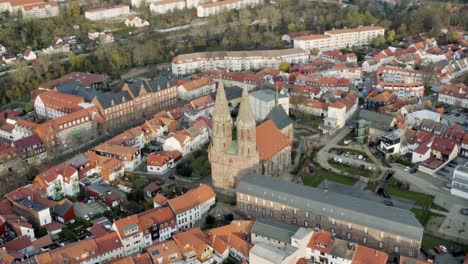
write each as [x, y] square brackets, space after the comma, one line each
[246, 129]
[222, 122]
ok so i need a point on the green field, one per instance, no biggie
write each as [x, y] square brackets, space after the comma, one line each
[355, 170]
[428, 242]
[421, 199]
[318, 177]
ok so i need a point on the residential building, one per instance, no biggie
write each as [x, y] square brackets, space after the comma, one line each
[339, 113]
[191, 206]
[195, 89]
[159, 224]
[52, 104]
[131, 234]
[214, 8]
[200, 107]
[389, 229]
[59, 181]
[129, 156]
[390, 143]
[136, 22]
[403, 90]
[31, 9]
[85, 79]
[263, 101]
[166, 6]
[371, 126]
[29, 55]
[70, 130]
[162, 161]
[165, 252]
[31, 149]
[339, 38]
[189, 139]
[109, 12]
[194, 247]
[460, 182]
[236, 60]
[454, 94]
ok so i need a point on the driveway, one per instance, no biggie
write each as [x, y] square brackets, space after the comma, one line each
[82, 209]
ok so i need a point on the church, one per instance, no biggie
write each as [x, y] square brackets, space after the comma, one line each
[264, 149]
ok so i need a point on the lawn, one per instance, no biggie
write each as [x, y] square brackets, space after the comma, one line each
[355, 170]
[421, 199]
[311, 121]
[352, 151]
[428, 242]
[438, 207]
[423, 216]
[315, 179]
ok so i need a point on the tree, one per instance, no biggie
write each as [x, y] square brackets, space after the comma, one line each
[74, 9]
[390, 36]
[452, 36]
[292, 27]
[284, 66]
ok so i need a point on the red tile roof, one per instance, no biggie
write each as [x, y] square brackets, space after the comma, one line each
[365, 255]
[270, 141]
[194, 197]
[108, 242]
[443, 145]
[321, 241]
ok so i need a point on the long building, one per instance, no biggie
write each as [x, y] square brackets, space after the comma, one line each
[214, 8]
[339, 38]
[30, 8]
[374, 225]
[236, 60]
[110, 12]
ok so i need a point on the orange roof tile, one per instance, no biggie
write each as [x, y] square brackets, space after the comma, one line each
[193, 240]
[162, 157]
[196, 84]
[270, 141]
[108, 242]
[126, 222]
[160, 199]
[321, 241]
[167, 252]
[191, 199]
[365, 255]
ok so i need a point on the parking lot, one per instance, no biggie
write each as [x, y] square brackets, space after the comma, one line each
[446, 172]
[96, 207]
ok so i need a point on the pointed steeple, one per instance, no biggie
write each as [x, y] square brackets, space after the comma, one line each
[221, 108]
[245, 117]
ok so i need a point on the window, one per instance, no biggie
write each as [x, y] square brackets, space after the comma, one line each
[333, 221]
[411, 252]
[412, 242]
[332, 230]
[348, 235]
[295, 211]
[263, 211]
[318, 218]
[350, 226]
[382, 234]
[397, 249]
[365, 230]
[306, 214]
[241, 205]
[256, 200]
[306, 223]
[256, 209]
[380, 244]
[364, 240]
[241, 196]
[249, 207]
[282, 208]
[294, 220]
[271, 213]
[283, 217]
[397, 239]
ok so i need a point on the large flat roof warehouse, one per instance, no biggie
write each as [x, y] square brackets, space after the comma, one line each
[363, 212]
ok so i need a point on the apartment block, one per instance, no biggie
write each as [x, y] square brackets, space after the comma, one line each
[236, 60]
[31, 9]
[373, 225]
[214, 8]
[454, 94]
[166, 6]
[339, 38]
[110, 12]
[52, 104]
[460, 182]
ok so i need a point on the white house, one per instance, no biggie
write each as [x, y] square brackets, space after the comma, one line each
[161, 161]
[191, 206]
[110, 12]
[29, 55]
[131, 234]
[136, 21]
[3, 49]
[166, 6]
[8, 58]
[195, 89]
[454, 94]
[214, 8]
[59, 181]
[460, 182]
[180, 142]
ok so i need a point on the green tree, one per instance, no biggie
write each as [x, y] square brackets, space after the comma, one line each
[284, 66]
[390, 36]
[292, 27]
[452, 36]
[74, 9]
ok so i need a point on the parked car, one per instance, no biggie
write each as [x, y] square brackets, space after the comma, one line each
[339, 152]
[360, 157]
[406, 169]
[445, 170]
[388, 203]
[437, 249]
[355, 156]
[457, 252]
[347, 154]
[172, 177]
[443, 248]
[464, 211]
[413, 170]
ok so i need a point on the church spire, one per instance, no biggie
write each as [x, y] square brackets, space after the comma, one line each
[221, 108]
[245, 117]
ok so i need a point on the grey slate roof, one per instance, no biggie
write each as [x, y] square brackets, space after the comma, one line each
[266, 95]
[61, 209]
[272, 229]
[377, 120]
[354, 210]
[279, 117]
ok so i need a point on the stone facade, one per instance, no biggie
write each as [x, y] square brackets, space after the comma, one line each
[254, 207]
